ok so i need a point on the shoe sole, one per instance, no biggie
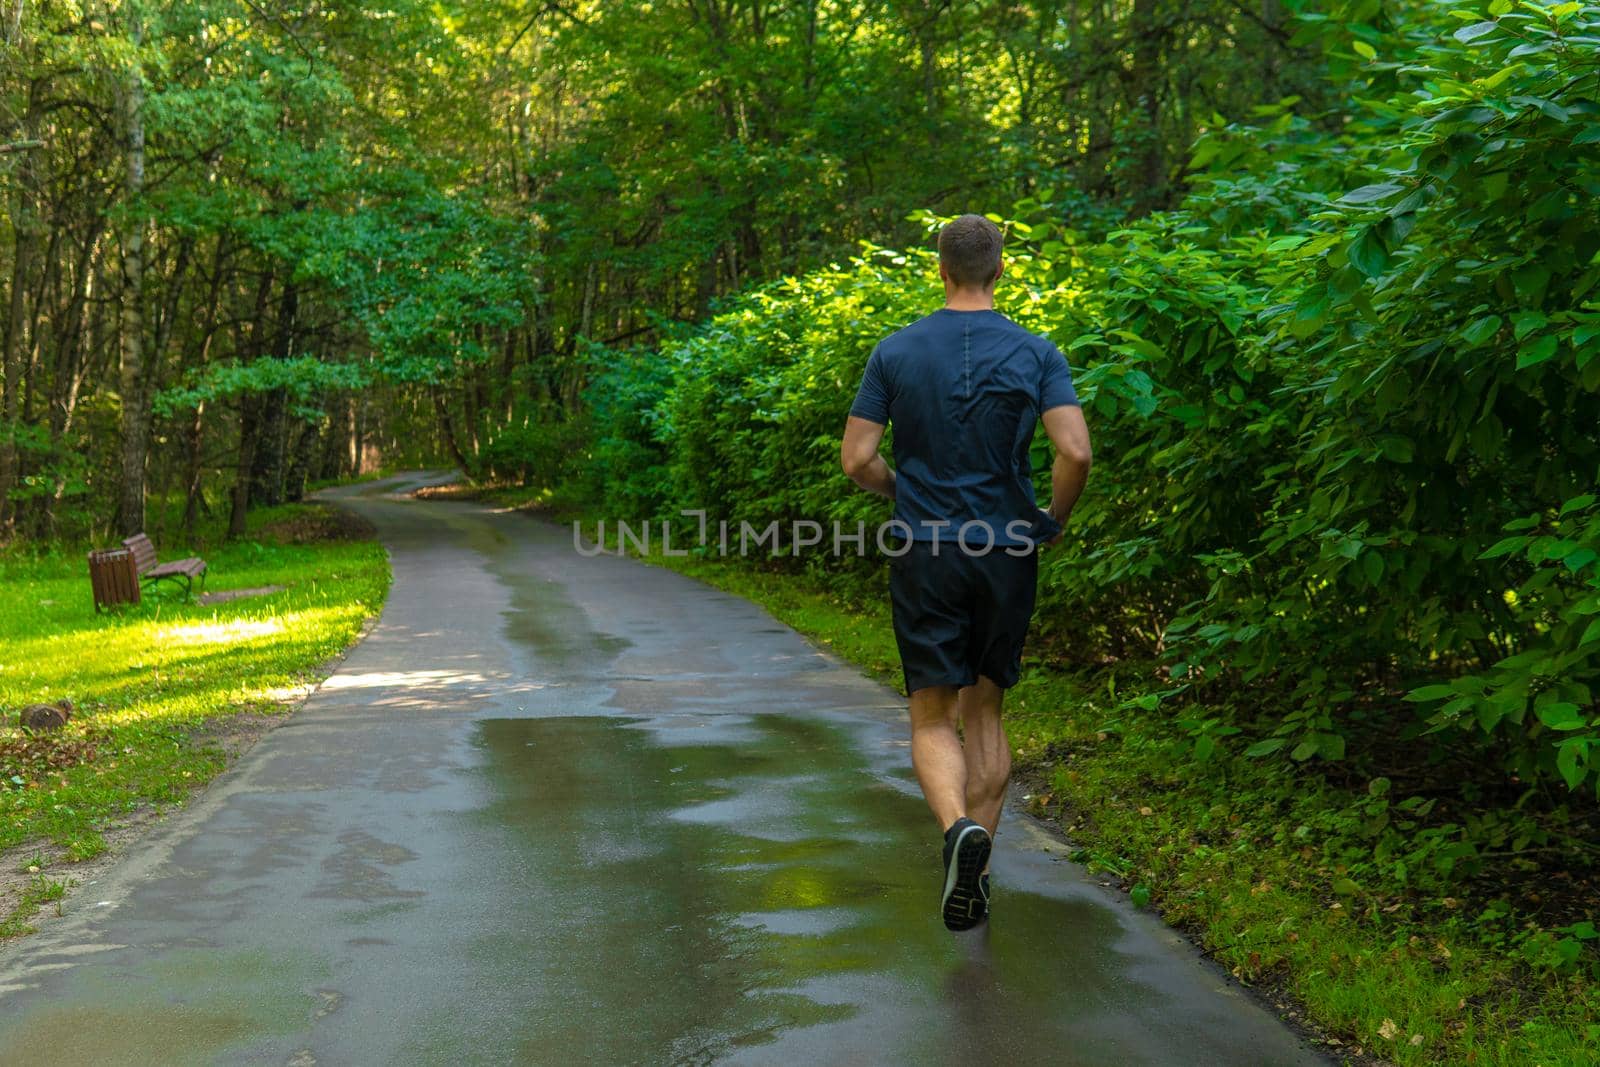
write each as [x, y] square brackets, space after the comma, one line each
[963, 905]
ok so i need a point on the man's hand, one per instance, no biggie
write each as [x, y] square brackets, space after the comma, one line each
[858, 455]
[1056, 540]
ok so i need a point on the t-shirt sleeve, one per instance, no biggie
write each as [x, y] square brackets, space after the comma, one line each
[872, 399]
[1055, 383]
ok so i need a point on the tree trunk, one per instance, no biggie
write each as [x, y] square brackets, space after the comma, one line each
[195, 439]
[135, 397]
[1149, 34]
[249, 431]
[271, 446]
[71, 358]
[25, 224]
[449, 431]
[300, 460]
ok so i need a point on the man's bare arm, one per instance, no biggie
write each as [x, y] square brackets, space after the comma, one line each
[859, 456]
[1070, 436]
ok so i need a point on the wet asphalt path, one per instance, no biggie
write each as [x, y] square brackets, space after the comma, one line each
[563, 810]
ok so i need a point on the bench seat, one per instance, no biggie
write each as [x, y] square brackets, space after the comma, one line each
[192, 567]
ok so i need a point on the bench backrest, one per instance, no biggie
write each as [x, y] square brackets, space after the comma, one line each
[144, 553]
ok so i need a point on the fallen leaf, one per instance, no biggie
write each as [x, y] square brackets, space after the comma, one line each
[1388, 1030]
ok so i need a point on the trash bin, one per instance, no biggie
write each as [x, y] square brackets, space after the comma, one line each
[113, 577]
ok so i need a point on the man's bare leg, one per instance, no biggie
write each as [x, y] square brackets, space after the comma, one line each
[986, 751]
[936, 752]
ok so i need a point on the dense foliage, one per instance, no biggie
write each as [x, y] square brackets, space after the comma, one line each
[1344, 401]
[249, 245]
[227, 229]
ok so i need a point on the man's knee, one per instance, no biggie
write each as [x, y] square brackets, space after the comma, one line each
[933, 707]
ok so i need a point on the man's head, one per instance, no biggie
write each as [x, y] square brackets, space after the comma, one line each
[969, 252]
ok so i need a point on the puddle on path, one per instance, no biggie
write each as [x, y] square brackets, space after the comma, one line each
[766, 897]
[188, 1008]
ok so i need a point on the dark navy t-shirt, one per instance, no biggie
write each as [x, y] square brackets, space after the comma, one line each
[964, 390]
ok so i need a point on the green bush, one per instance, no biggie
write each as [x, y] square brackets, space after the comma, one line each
[533, 448]
[1345, 407]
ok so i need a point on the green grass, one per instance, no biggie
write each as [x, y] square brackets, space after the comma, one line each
[146, 680]
[1236, 854]
[39, 892]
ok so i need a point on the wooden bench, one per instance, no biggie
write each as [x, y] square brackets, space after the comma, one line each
[151, 570]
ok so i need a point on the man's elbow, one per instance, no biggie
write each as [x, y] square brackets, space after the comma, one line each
[853, 464]
[1077, 454]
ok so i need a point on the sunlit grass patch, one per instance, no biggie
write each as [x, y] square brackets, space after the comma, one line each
[143, 679]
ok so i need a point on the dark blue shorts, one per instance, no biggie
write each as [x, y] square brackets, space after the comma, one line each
[958, 616]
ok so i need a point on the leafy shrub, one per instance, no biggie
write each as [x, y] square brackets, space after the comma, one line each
[533, 448]
[1344, 409]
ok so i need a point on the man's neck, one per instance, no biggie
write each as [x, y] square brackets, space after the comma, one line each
[968, 300]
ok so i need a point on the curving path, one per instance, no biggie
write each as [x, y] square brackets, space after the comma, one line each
[560, 810]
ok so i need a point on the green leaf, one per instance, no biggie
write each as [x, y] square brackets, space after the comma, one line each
[1303, 751]
[1525, 322]
[1273, 744]
[1588, 135]
[1501, 7]
[1346, 887]
[1467, 34]
[1481, 330]
[1139, 896]
[1570, 758]
[1495, 80]
[1396, 449]
[1562, 716]
[1371, 194]
[1364, 50]
[1204, 746]
[1592, 633]
[1577, 503]
[1505, 547]
[1368, 254]
[1549, 107]
[1372, 564]
[1537, 351]
[1579, 559]
[1429, 693]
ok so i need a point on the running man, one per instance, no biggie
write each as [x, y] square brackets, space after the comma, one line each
[964, 389]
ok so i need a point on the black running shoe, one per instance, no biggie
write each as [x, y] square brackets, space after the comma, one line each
[966, 853]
